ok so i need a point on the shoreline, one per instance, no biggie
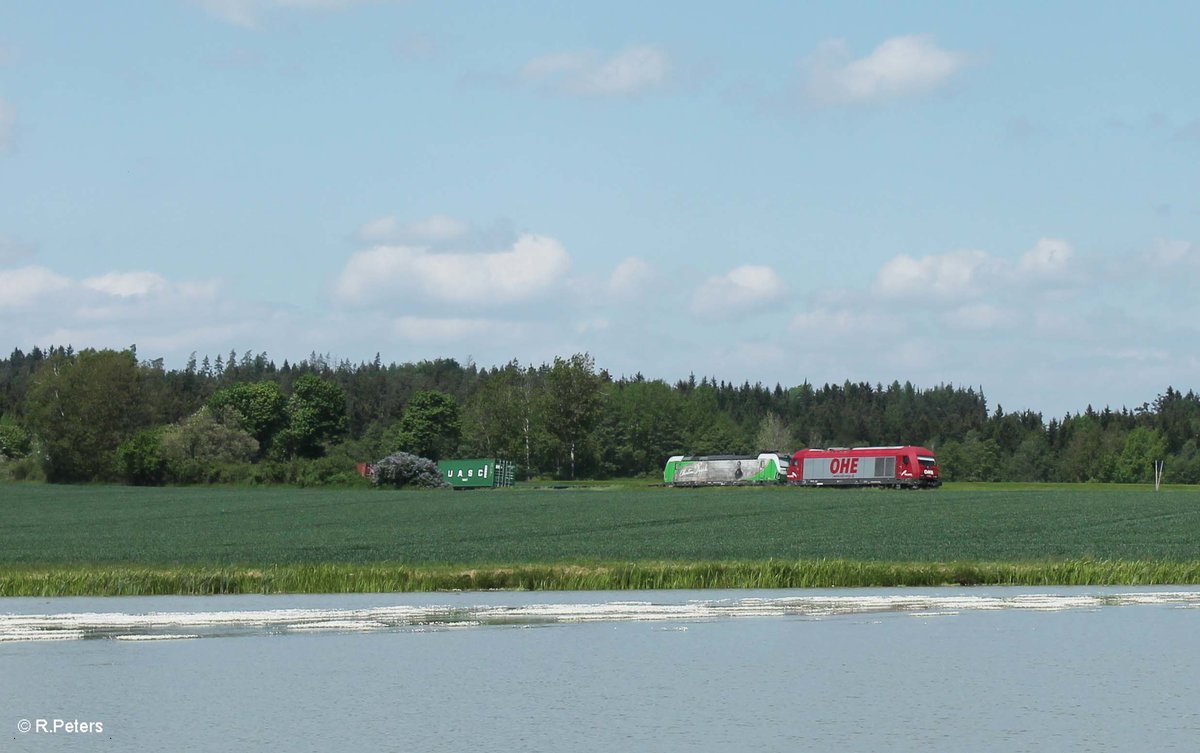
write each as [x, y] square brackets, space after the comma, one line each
[334, 578]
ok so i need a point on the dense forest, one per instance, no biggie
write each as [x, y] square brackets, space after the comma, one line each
[105, 415]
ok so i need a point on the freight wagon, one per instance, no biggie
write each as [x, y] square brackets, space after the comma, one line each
[906, 466]
[719, 470]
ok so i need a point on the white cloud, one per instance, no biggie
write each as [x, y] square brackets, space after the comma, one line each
[631, 277]
[555, 64]
[24, 286]
[437, 228]
[978, 317]
[170, 319]
[110, 295]
[1036, 328]
[431, 329]
[1052, 324]
[1169, 265]
[247, 13]
[197, 290]
[967, 275]
[1172, 256]
[956, 274]
[38, 305]
[1048, 260]
[237, 12]
[630, 72]
[127, 284]
[837, 324]
[959, 275]
[744, 289]
[900, 67]
[532, 266]
[905, 275]
[379, 230]
[863, 340]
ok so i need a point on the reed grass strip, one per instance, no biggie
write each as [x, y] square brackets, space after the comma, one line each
[385, 577]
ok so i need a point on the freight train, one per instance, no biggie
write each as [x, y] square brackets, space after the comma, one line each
[899, 467]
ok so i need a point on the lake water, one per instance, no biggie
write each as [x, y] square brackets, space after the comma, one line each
[984, 669]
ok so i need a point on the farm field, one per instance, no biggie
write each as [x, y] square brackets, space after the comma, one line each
[77, 530]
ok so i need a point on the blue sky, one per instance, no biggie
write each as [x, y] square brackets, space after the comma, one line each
[1001, 196]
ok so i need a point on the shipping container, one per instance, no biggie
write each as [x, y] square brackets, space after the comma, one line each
[477, 473]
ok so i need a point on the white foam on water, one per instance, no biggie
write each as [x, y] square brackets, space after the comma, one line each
[166, 637]
[347, 626]
[172, 625]
[29, 634]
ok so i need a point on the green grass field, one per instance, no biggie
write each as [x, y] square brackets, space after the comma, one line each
[319, 538]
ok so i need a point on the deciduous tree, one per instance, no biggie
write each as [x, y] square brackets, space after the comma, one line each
[82, 407]
[430, 427]
[261, 409]
[572, 403]
[316, 416]
[204, 439]
[1135, 464]
[774, 434]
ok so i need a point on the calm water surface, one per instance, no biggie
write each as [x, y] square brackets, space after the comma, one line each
[861, 670]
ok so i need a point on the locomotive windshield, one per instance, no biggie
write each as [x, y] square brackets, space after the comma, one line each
[926, 461]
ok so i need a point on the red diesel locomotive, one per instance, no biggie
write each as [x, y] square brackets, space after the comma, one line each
[906, 466]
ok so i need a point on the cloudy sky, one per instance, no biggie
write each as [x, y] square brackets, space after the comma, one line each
[1006, 197]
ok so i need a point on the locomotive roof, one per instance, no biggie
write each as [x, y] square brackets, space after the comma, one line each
[912, 447]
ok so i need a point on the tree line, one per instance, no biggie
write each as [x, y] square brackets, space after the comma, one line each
[105, 415]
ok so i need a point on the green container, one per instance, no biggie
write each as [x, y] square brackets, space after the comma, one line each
[476, 472]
